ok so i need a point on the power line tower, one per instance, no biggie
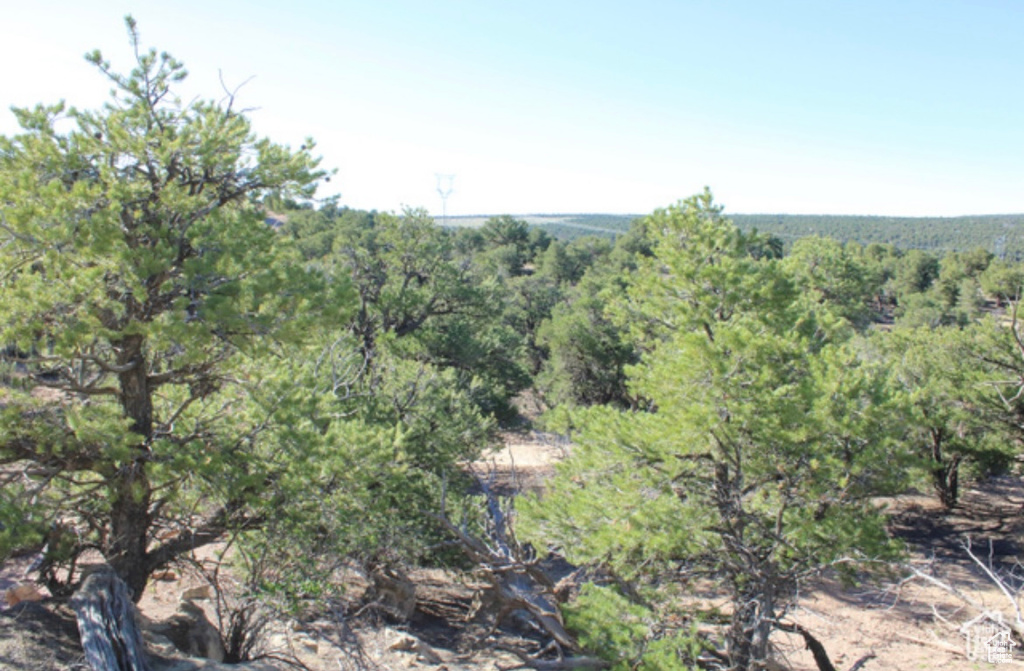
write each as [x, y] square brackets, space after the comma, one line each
[445, 185]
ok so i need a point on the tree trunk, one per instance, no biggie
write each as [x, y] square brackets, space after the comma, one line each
[129, 487]
[750, 631]
[129, 526]
[753, 578]
[946, 479]
[945, 474]
[106, 621]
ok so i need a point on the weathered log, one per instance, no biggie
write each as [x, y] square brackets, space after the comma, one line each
[106, 621]
[518, 582]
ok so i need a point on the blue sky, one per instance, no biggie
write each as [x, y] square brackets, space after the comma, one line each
[892, 108]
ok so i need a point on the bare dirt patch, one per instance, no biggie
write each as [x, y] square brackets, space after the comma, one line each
[524, 462]
[911, 626]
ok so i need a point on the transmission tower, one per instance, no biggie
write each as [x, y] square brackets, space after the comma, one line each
[445, 184]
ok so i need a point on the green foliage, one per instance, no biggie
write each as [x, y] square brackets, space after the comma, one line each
[528, 305]
[992, 354]
[627, 635]
[829, 273]
[20, 525]
[956, 268]
[421, 300]
[608, 625]
[935, 234]
[766, 437]
[914, 273]
[1003, 281]
[507, 245]
[995, 233]
[138, 277]
[943, 383]
[317, 233]
[588, 353]
[923, 310]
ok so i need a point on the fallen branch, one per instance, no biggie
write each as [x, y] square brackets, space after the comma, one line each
[518, 582]
[938, 645]
[565, 664]
[1012, 597]
[818, 651]
[859, 664]
[1018, 625]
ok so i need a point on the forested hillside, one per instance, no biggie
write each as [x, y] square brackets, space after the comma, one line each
[313, 398]
[1003, 235]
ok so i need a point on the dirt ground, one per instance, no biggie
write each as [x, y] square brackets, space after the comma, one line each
[906, 625]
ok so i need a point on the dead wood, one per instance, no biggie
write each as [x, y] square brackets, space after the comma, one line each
[517, 581]
[564, 664]
[938, 645]
[821, 658]
[1012, 593]
[859, 664]
[106, 621]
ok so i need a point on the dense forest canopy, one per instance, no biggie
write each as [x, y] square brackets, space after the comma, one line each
[1002, 234]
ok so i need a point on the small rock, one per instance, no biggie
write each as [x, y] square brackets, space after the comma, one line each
[309, 644]
[23, 592]
[201, 592]
[423, 651]
[167, 575]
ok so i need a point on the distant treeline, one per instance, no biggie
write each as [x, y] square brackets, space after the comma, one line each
[1001, 234]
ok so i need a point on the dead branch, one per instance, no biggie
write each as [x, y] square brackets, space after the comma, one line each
[938, 645]
[567, 664]
[948, 588]
[1013, 599]
[821, 658]
[519, 584]
[859, 664]
[813, 644]
[1016, 626]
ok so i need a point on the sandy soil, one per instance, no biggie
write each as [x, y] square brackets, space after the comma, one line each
[906, 624]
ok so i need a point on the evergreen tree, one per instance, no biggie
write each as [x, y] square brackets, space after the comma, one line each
[765, 435]
[945, 384]
[141, 287]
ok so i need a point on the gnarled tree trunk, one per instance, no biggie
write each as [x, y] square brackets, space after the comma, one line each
[106, 621]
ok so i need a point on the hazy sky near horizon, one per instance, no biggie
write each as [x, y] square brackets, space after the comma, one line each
[891, 107]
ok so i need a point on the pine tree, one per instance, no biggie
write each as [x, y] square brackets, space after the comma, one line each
[141, 287]
[764, 436]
